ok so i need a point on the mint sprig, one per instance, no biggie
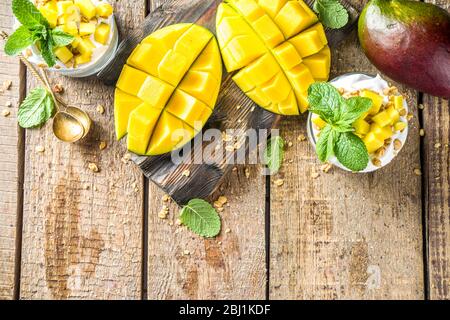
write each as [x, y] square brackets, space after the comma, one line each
[331, 13]
[274, 154]
[201, 218]
[35, 29]
[337, 137]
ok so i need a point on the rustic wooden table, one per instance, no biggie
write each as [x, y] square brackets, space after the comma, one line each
[66, 232]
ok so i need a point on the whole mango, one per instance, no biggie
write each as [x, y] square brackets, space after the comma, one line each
[409, 41]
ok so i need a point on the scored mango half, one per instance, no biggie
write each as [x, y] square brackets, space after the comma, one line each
[168, 89]
[278, 48]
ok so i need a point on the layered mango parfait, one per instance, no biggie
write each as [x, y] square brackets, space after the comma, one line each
[92, 25]
[168, 89]
[277, 47]
[383, 129]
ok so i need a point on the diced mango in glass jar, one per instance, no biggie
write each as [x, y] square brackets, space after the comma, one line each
[398, 102]
[319, 123]
[102, 32]
[87, 8]
[82, 59]
[372, 142]
[400, 126]
[382, 119]
[86, 28]
[377, 100]
[382, 133]
[63, 54]
[361, 126]
[104, 10]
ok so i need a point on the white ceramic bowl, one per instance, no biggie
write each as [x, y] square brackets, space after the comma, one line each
[363, 81]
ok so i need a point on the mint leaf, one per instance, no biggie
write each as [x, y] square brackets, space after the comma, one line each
[331, 13]
[36, 109]
[326, 142]
[201, 218]
[274, 154]
[353, 108]
[27, 14]
[61, 38]
[18, 41]
[47, 52]
[324, 100]
[351, 152]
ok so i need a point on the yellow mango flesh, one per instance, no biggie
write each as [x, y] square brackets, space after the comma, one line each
[377, 100]
[104, 10]
[63, 54]
[102, 32]
[372, 142]
[279, 48]
[168, 89]
[86, 7]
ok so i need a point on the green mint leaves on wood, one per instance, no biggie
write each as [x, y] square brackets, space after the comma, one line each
[331, 13]
[274, 154]
[35, 29]
[337, 137]
[36, 109]
[201, 218]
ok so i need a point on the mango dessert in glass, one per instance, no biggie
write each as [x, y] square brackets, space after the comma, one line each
[383, 128]
[91, 23]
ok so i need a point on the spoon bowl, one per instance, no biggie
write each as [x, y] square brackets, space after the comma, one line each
[82, 117]
[67, 127]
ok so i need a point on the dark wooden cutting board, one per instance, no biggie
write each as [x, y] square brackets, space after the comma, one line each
[203, 179]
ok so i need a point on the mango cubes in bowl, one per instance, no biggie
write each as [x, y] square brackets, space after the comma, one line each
[168, 89]
[278, 48]
[87, 20]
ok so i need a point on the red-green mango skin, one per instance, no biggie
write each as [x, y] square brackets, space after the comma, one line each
[409, 41]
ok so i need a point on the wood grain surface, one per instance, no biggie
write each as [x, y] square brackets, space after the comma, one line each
[232, 266]
[82, 235]
[11, 162]
[342, 235]
[436, 115]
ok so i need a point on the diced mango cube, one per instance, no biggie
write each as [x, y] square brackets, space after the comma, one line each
[272, 7]
[63, 54]
[87, 28]
[63, 6]
[76, 42]
[71, 14]
[268, 31]
[372, 142]
[262, 70]
[249, 9]
[289, 107]
[310, 41]
[361, 126]
[155, 92]
[394, 115]
[244, 50]
[320, 124]
[70, 28]
[382, 133]
[398, 103]
[277, 89]
[300, 78]
[400, 126]
[102, 32]
[84, 46]
[87, 8]
[377, 100]
[82, 59]
[382, 119]
[49, 14]
[201, 85]
[124, 104]
[294, 17]
[131, 80]
[141, 124]
[319, 64]
[173, 67]
[104, 10]
[287, 56]
[189, 109]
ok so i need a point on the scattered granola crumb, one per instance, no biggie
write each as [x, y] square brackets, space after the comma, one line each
[6, 113]
[28, 53]
[220, 209]
[165, 198]
[301, 137]
[314, 174]
[93, 167]
[376, 162]
[100, 109]
[219, 243]
[252, 109]
[234, 169]
[437, 145]
[163, 214]
[397, 144]
[58, 88]
[409, 116]
[8, 104]
[7, 85]
[40, 149]
[229, 148]
[186, 173]
[422, 132]
[326, 167]
[417, 172]
[238, 107]
[279, 182]
[87, 187]
[421, 106]
[228, 230]
[247, 172]
[290, 144]
[126, 157]
[341, 91]
[102, 145]
[402, 113]
[186, 252]
[380, 152]
[222, 200]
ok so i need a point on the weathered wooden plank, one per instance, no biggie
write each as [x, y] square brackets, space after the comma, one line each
[436, 118]
[82, 235]
[11, 162]
[181, 265]
[345, 235]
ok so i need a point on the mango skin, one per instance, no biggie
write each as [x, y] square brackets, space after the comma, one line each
[409, 41]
